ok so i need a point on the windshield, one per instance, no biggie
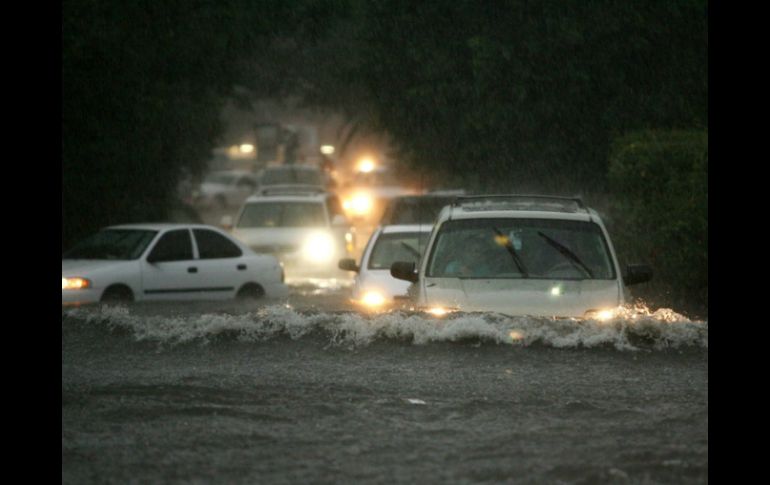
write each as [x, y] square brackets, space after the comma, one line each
[520, 248]
[291, 176]
[283, 214]
[120, 244]
[397, 246]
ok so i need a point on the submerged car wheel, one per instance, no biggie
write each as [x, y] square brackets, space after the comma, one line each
[249, 292]
[117, 294]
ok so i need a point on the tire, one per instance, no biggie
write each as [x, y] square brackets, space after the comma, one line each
[250, 292]
[117, 294]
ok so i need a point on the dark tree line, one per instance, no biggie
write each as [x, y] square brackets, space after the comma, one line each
[504, 94]
[143, 86]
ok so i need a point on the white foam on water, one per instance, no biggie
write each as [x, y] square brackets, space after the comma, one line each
[631, 328]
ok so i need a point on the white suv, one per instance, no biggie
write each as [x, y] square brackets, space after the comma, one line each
[520, 255]
[307, 231]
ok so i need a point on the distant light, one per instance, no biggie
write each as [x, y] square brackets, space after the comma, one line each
[327, 149]
[247, 148]
[366, 165]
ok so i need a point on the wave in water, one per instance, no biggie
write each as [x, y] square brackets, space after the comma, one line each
[631, 328]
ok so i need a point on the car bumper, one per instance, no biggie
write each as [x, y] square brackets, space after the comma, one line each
[277, 290]
[80, 297]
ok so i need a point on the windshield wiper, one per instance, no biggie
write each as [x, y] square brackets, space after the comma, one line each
[411, 249]
[572, 257]
[512, 252]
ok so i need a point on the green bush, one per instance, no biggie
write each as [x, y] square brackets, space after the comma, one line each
[659, 211]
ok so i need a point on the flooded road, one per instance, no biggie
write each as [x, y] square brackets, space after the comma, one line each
[310, 391]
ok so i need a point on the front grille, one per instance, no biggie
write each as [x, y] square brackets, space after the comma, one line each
[275, 248]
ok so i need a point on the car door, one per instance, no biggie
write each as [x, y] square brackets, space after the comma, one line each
[221, 264]
[170, 271]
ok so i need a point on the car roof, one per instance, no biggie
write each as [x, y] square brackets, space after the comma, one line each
[520, 206]
[162, 226]
[298, 197]
[406, 228]
[292, 167]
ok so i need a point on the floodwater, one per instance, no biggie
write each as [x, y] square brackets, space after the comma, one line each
[310, 391]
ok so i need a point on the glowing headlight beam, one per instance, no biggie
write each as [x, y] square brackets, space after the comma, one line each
[366, 165]
[74, 283]
[318, 248]
[373, 299]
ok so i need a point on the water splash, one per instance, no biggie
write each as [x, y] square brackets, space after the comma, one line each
[630, 328]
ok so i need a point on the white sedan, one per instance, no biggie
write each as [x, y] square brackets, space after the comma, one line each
[374, 287]
[136, 262]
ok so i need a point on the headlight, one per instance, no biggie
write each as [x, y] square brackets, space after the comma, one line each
[373, 299]
[359, 205]
[601, 315]
[439, 311]
[318, 248]
[75, 283]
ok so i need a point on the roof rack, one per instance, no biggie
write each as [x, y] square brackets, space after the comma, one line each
[291, 190]
[520, 202]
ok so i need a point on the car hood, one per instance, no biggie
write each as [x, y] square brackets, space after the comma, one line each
[380, 281]
[535, 297]
[280, 237]
[85, 267]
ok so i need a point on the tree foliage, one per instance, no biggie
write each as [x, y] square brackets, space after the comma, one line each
[659, 187]
[528, 94]
[143, 86]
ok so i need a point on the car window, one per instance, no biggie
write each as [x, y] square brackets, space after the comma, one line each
[545, 248]
[212, 245]
[283, 214]
[121, 244]
[392, 247]
[174, 245]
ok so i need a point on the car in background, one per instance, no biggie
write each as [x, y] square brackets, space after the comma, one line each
[367, 194]
[137, 262]
[294, 176]
[307, 231]
[520, 255]
[417, 209]
[224, 189]
[374, 287]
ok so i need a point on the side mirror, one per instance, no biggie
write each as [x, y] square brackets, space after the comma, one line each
[637, 273]
[339, 220]
[404, 270]
[348, 264]
[226, 222]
